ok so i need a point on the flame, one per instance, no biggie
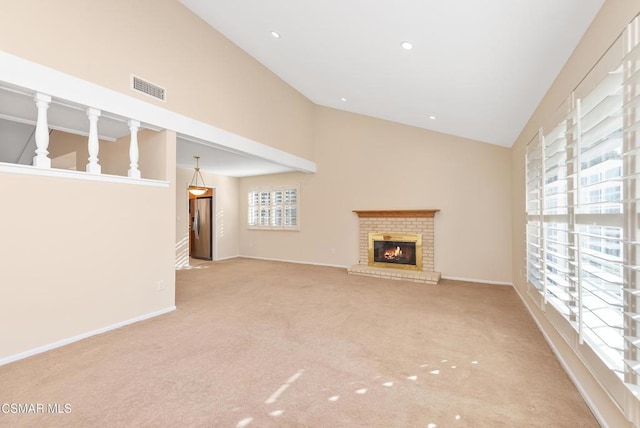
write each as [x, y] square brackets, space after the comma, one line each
[393, 254]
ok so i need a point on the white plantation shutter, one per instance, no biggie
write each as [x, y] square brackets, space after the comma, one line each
[631, 195]
[253, 208]
[275, 208]
[265, 209]
[534, 177]
[599, 218]
[291, 208]
[556, 230]
[582, 189]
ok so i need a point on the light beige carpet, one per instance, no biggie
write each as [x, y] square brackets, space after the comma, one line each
[266, 344]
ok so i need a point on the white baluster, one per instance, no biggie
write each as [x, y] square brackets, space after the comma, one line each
[94, 145]
[42, 132]
[134, 172]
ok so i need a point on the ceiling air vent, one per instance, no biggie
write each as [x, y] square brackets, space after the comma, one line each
[147, 88]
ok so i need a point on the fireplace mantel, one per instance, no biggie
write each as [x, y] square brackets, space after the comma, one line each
[396, 213]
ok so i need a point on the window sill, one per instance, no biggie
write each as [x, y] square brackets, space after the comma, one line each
[275, 229]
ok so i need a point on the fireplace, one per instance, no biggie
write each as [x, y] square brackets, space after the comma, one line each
[394, 250]
[396, 244]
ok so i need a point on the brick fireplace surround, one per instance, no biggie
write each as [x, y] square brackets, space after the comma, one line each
[419, 222]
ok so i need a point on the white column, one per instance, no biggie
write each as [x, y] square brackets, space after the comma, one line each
[94, 145]
[42, 132]
[134, 172]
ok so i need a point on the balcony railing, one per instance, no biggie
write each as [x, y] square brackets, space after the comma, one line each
[26, 107]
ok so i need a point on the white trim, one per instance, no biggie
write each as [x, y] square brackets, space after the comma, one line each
[13, 168]
[214, 221]
[273, 229]
[568, 368]
[227, 258]
[63, 342]
[480, 281]
[38, 78]
[293, 261]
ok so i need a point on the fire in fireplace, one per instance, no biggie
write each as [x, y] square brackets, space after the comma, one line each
[394, 250]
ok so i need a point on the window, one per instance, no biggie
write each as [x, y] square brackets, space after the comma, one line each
[583, 223]
[273, 208]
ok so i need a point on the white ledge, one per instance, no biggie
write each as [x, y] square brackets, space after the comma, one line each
[78, 175]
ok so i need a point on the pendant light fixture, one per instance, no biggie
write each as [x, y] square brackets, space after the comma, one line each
[194, 188]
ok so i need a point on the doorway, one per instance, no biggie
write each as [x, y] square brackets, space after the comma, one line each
[201, 225]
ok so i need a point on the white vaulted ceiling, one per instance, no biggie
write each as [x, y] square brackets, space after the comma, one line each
[479, 66]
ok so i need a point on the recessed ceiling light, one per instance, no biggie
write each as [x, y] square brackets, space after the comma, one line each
[432, 117]
[343, 99]
[406, 45]
[275, 34]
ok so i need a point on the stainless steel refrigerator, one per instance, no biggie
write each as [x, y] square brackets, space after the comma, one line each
[200, 228]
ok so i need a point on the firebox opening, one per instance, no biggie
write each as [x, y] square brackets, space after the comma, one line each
[394, 252]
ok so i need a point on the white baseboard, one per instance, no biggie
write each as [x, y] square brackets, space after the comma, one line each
[189, 266]
[567, 367]
[481, 281]
[63, 342]
[294, 261]
[227, 258]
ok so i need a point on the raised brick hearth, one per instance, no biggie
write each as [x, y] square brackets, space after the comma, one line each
[419, 222]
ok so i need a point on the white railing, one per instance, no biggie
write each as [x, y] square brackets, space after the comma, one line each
[134, 126]
[42, 160]
[18, 72]
[72, 118]
[42, 132]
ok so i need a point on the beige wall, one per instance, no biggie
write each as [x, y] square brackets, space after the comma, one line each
[82, 255]
[366, 163]
[226, 215]
[113, 156]
[64, 147]
[206, 76]
[612, 18]
[151, 152]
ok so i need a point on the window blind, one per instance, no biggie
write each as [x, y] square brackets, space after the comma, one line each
[274, 208]
[582, 191]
